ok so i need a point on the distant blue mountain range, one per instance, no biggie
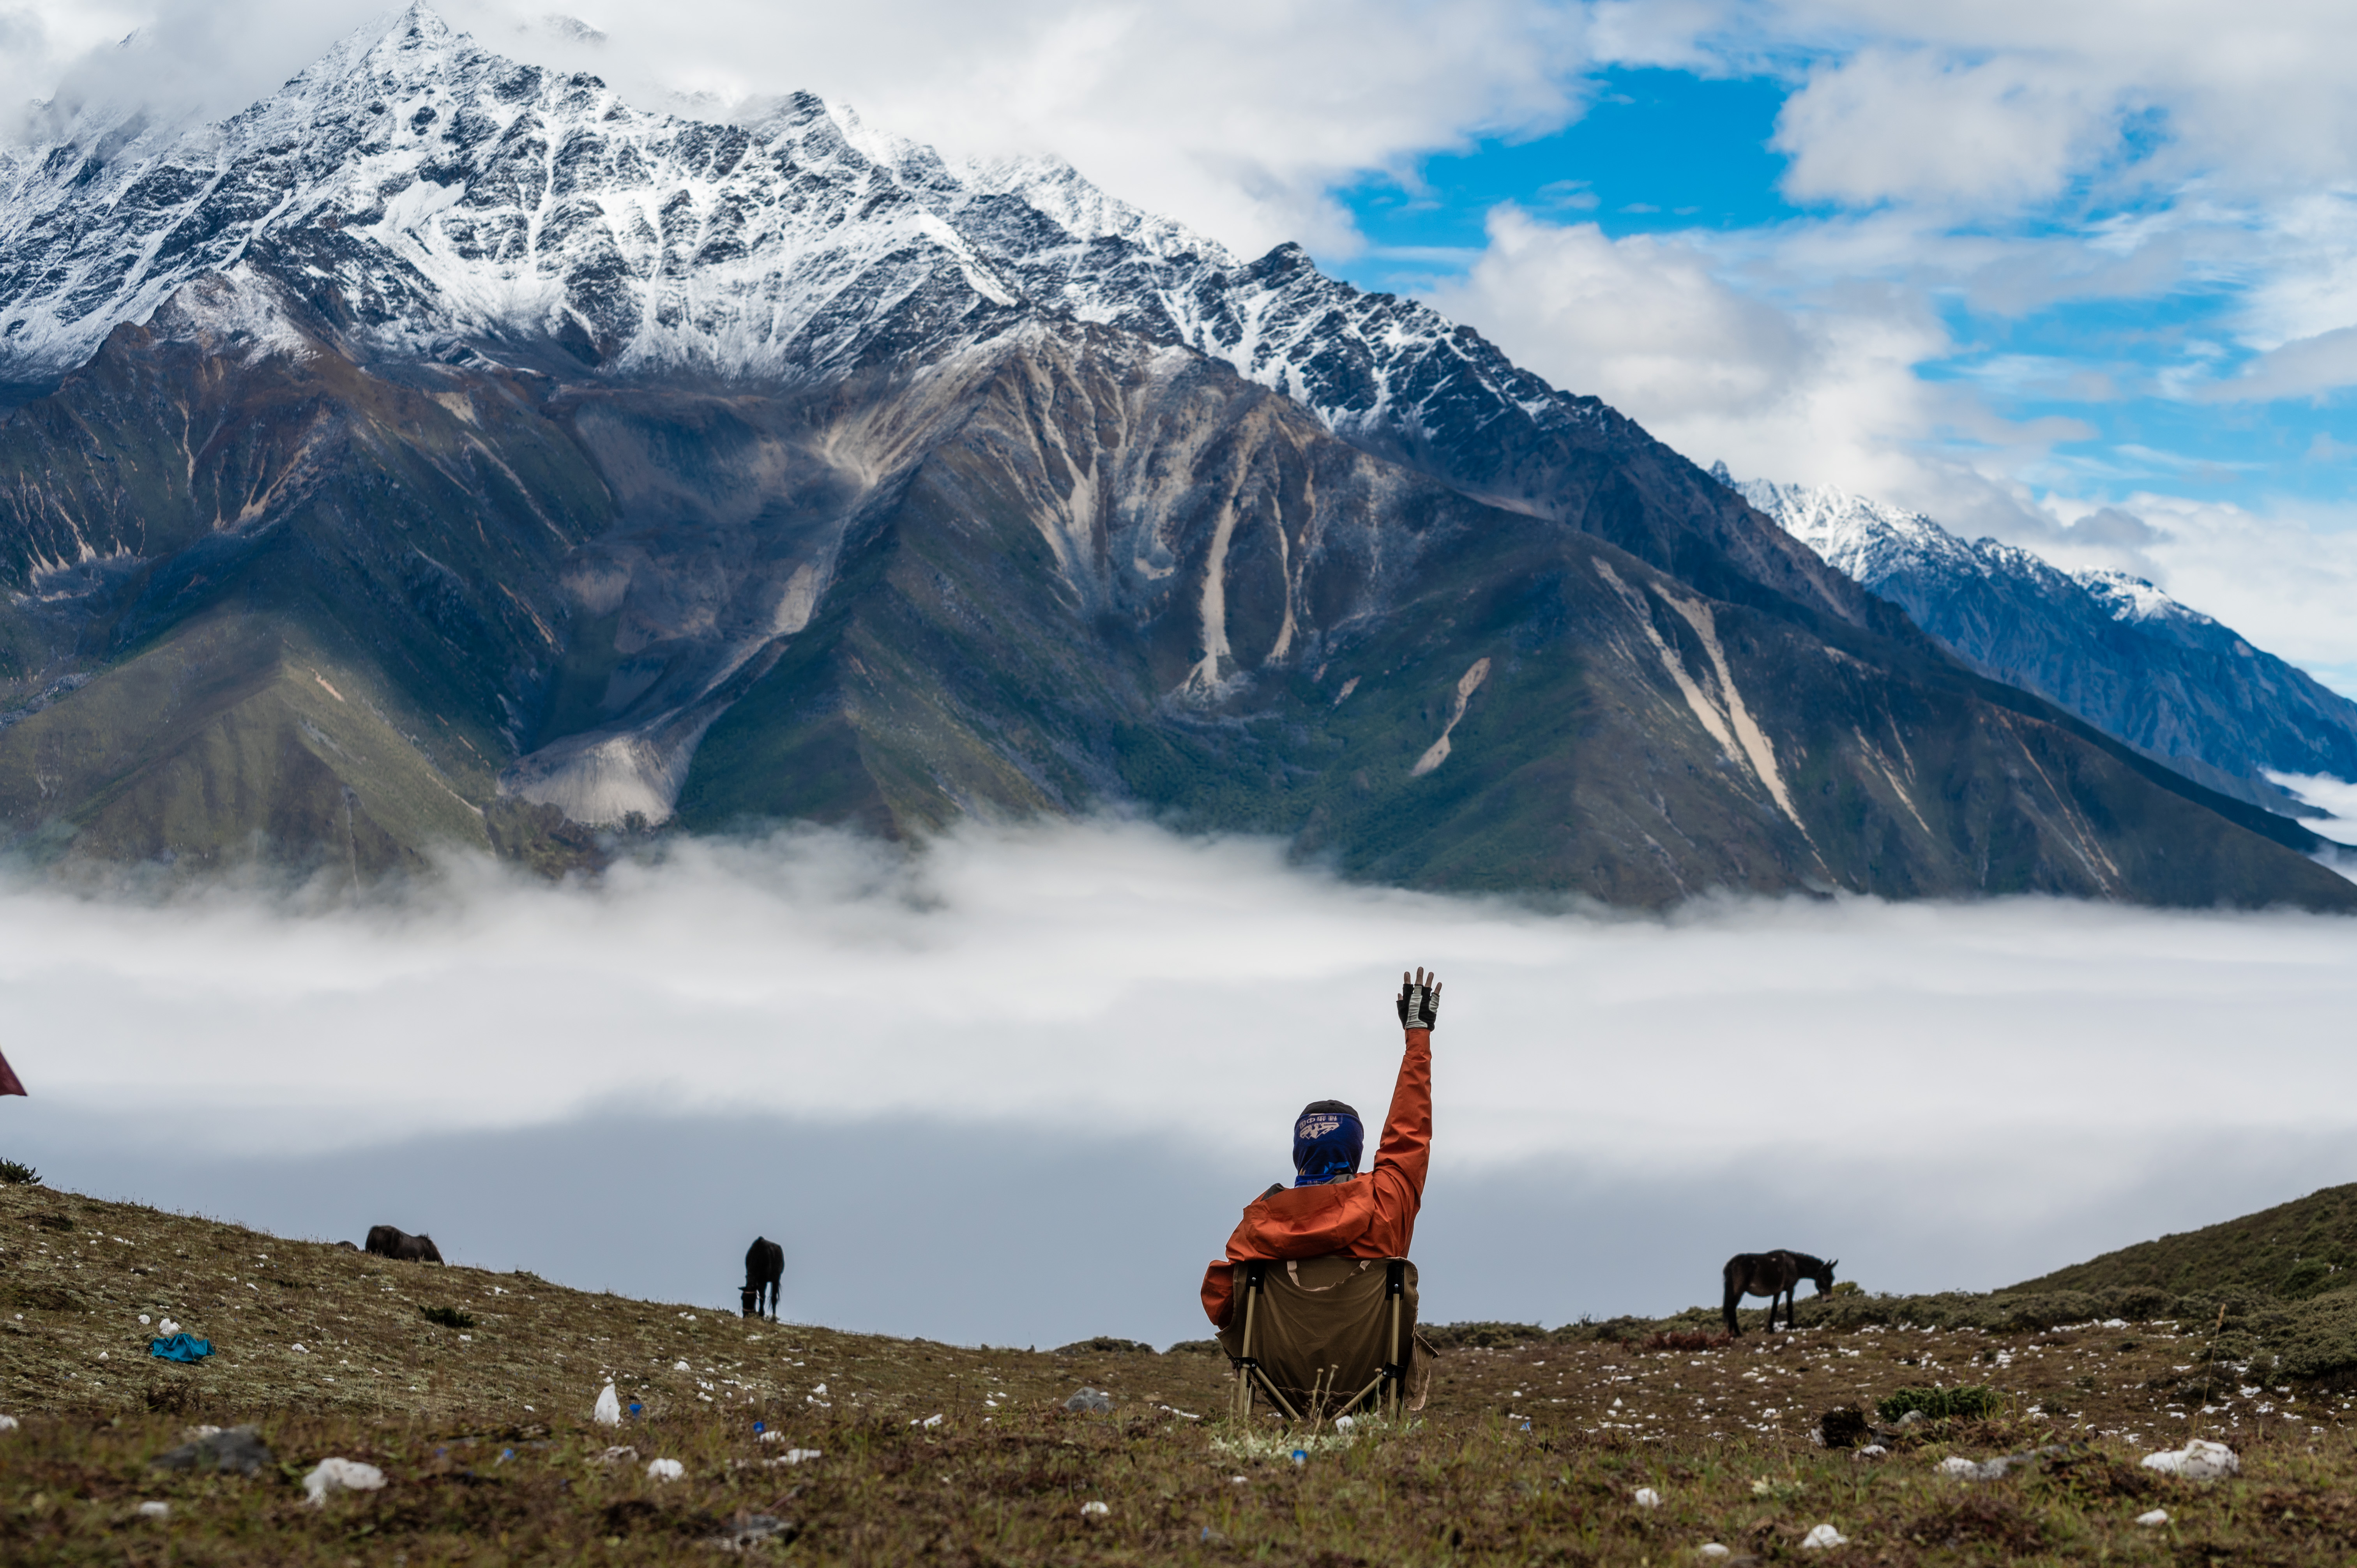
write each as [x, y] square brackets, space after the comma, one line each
[2183, 688]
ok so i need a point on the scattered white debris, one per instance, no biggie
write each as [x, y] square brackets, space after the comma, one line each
[1822, 1536]
[142, 1320]
[1873, 1450]
[773, 1437]
[333, 1476]
[1098, 1509]
[1712, 1549]
[7, 1424]
[932, 1420]
[154, 1511]
[608, 1410]
[2199, 1460]
[1647, 1497]
[167, 1328]
[799, 1456]
[1342, 1423]
[2157, 1516]
[1968, 1470]
[820, 1391]
[680, 1366]
[299, 1350]
[103, 1356]
[665, 1469]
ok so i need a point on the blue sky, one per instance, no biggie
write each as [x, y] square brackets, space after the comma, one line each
[2136, 314]
[1656, 151]
[1673, 153]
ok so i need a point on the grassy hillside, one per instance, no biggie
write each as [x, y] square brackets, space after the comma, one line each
[2295, 1250]
[1532, 1448]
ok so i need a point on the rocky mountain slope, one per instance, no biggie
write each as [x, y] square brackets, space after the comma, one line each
[2109, 647]
[444, 450]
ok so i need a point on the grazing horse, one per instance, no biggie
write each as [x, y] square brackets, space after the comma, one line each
[387, 1242]
[765, 1265]
[1774, 1274]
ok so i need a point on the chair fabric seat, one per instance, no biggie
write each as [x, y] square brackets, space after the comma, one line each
[1321, 1332]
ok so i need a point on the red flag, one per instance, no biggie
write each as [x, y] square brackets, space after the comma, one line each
[9, 1082]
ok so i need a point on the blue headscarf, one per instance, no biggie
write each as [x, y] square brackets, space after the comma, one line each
[1326, 1143]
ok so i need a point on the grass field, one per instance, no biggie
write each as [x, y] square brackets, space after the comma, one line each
[1532, 1449]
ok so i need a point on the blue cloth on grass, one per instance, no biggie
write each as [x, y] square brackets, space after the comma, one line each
[180, 1348]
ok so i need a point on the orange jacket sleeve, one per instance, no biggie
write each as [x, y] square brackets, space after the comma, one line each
[1371, 1216]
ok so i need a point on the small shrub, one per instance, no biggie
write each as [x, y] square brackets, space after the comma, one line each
[448, 1316]
[1685, 1341]
[1106, 1345]
[1482, 1335]
[55, 1222]
[1194, 1348]
[1969, 1402]
[15, 1173]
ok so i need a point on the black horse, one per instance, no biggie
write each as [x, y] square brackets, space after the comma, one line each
[765, 1266]
[1774, 1274]
[386, 1241]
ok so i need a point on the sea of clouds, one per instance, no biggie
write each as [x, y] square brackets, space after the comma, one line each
[1015, 1086]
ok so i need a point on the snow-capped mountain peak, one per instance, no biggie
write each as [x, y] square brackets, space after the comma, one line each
[478, 205]
[472, 198]
[2110, 646]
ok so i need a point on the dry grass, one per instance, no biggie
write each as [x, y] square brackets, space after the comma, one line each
[1528, 1452]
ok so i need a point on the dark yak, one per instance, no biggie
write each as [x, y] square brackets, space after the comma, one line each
[765, 1266]
[385, 1241]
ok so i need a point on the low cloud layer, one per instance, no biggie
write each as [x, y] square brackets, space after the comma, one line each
[1087, 1042]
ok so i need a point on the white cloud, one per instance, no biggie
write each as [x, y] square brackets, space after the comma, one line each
[2284, 581]
[2247, 98]
[2336, 797]
[1915, 124]
[1043, 1002]
[1729, 350]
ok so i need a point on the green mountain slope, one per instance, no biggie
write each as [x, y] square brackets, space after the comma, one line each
[2299, 1249]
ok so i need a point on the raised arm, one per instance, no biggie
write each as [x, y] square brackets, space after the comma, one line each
[1406, 1152]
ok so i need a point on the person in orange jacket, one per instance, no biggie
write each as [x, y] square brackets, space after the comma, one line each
[1330, 1210]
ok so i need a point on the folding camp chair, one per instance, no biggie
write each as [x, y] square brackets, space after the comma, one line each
[1326, 1336]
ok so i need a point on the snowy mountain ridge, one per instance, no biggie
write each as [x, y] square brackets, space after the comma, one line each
[479, 203]
[2108, 645]
[1874, 541]
[469, 198]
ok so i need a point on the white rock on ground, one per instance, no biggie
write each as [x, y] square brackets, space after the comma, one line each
[332, 1476]
[154, 1511]
[2199, 1460]
[1648, 1499]
[665, 1469]
[2157, 1516]
[608, 1411]
[1822, 1536]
